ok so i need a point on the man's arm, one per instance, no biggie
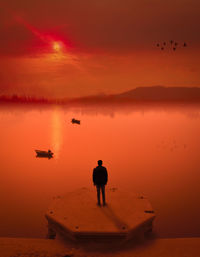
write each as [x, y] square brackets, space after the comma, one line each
[106, 176]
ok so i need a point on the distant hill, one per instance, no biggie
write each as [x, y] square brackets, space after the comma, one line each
[153, 94]
[160, 93]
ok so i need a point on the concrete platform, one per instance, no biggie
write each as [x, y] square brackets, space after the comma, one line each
[77, 216]
[29, 247]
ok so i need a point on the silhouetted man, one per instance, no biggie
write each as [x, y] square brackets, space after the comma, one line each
[100, 178]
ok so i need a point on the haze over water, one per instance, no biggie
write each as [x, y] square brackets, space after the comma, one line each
[150, 150]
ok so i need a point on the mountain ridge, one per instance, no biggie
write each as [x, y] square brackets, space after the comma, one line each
[162, 93]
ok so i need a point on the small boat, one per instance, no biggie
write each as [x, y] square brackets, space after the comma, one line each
[44, 154]
[74, 121]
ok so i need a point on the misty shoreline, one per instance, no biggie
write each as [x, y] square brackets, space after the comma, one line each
[143, 95]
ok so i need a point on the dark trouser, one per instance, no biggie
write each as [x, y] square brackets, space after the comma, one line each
[102, 188]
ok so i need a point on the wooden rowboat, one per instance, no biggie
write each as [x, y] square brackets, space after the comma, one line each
[47, 154]
[74, 121]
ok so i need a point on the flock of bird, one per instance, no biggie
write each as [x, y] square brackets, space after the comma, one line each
[173, 45]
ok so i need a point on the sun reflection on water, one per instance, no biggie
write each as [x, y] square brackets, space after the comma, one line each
[57, 132]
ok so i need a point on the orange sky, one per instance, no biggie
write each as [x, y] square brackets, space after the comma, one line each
[74, 48]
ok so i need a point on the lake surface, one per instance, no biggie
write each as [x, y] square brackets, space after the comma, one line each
[152, 150]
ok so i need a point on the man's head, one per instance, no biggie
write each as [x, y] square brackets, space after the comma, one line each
[100, 162]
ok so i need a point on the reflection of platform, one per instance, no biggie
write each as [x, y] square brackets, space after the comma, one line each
[76, 215]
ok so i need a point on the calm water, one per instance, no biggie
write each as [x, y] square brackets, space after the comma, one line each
[147, 149]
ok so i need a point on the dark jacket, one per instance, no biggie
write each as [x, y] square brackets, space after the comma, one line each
[100, 175]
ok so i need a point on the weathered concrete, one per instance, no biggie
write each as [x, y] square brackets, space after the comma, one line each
[22, 247]
[77, 216]
[32, 247]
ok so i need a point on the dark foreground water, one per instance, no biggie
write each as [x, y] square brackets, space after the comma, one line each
[152, 150]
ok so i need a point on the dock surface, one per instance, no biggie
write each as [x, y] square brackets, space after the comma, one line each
[76, 215]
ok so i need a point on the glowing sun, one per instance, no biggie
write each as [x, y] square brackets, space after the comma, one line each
[57, 46]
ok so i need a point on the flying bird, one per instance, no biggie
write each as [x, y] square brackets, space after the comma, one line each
[173, 43]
